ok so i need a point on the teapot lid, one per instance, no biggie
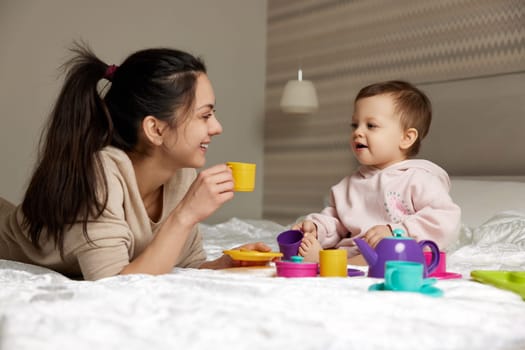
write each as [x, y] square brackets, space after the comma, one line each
[297, 258]
[398, 233]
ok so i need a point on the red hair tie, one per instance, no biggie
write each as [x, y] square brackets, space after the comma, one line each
[110, 71]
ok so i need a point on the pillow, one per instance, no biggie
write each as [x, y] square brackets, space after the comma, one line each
[480, 199]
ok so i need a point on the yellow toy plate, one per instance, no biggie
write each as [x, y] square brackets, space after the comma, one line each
[252, 255]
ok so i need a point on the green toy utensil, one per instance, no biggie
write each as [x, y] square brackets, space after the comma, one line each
[509, 280]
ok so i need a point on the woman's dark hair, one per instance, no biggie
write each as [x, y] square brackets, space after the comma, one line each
[412, 104]
[69, 184]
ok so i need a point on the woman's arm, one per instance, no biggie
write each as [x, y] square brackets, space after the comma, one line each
[210, 190]
[161, 255]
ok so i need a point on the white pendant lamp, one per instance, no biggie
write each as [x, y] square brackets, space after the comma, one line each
[299, 96]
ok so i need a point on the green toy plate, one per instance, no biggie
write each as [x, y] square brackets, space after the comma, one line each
[509, 280]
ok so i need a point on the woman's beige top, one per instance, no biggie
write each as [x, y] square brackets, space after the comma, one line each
[119, 235]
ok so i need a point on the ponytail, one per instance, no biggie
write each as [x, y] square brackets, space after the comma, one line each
[65, 187]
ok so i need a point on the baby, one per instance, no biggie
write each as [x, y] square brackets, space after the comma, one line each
[389, 190]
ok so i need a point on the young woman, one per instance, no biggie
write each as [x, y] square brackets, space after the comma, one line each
[115, 190]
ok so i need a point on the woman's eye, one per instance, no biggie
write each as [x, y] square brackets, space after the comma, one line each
[209, 115]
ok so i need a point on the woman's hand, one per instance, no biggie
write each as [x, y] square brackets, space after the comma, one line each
[226, 261]
[257, 246]
[210, 190]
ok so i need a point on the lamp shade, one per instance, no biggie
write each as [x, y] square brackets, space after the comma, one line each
[299, 97]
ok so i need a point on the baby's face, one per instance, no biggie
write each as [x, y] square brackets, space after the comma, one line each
[377, 133]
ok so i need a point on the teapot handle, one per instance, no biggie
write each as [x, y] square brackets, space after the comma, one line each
[434, 262]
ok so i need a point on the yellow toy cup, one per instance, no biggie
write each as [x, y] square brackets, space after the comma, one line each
[243, 176]
[332, 263]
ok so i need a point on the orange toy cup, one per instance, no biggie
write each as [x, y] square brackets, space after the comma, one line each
[332, 263]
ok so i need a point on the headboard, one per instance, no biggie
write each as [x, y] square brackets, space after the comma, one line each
[481, 197]
[478, 125]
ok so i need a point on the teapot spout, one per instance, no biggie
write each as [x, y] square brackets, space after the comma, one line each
[368, 252]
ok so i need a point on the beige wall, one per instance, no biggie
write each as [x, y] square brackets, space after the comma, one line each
[229, 34]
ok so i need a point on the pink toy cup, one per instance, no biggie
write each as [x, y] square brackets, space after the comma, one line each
[442, 266]
[441, 270]
[289, 242]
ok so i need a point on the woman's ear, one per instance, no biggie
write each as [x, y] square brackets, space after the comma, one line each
[153, 128]
[409, 137]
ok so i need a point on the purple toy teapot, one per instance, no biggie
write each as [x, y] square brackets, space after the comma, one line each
[397, 247]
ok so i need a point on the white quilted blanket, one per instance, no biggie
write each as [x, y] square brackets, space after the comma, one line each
[250, 309]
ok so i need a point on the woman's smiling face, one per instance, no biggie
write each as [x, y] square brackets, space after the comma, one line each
[188, 143]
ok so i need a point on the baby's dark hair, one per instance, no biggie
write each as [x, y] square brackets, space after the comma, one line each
[412, 104]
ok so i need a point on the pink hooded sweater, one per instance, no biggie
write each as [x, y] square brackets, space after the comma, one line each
[412, 195]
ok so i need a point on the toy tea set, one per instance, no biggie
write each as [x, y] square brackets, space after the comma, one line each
[332, 262]
[405, 265]
[400, 260]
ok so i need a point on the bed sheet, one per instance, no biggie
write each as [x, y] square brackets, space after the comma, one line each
[250, 309]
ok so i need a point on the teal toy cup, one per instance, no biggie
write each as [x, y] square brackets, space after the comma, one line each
[405, 276]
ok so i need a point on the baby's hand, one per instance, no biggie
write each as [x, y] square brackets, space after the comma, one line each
[376, 234]
[307, 227]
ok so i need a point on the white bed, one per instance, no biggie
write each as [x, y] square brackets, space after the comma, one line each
[250, 309]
